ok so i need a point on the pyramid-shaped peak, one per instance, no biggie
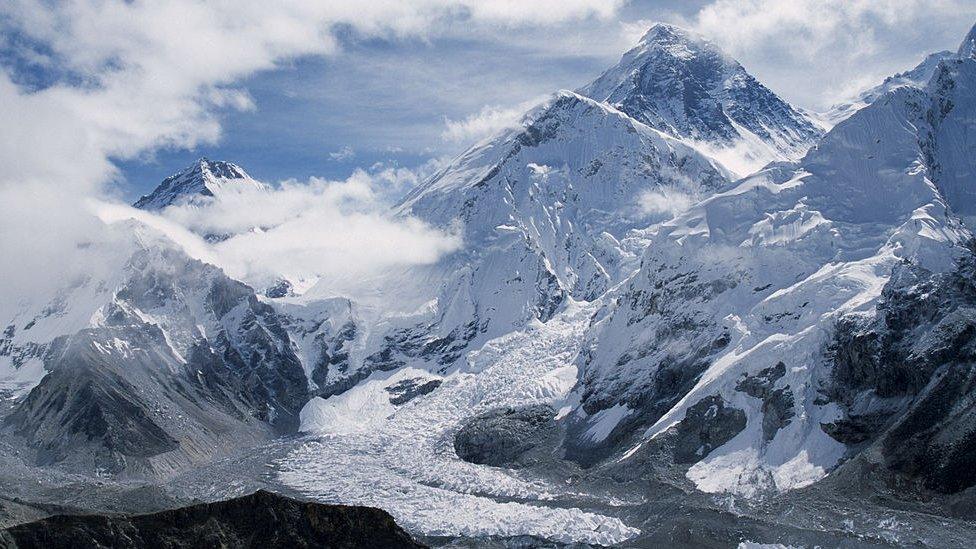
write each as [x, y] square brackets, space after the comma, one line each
[678, 82]
[219, 168]
[203, 178]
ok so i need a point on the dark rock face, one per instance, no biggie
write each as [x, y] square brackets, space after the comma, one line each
[409, 389]
[90, 402]
[907, 378]
[777, 411]
[282, 288]
[777, 404]
[501, 437]
[707, 425]
[676, 341]
[260, 520]
[402, 345]
[128, 390]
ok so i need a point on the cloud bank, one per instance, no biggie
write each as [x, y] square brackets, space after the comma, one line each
[132, 77]
[340, 231]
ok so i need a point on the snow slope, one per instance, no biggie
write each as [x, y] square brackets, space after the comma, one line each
[155, 360]
[31, 323]
[917, 77]
[544, 211]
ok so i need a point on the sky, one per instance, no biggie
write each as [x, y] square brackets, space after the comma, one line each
[410, 86]
[344, 106]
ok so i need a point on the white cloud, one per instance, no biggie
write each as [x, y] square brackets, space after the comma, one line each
[343, 154]
[487, 122]
[154, 74]
[818, 51]
[338, 230]
[664, 201]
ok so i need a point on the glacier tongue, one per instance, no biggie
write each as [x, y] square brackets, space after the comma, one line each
[407, 463]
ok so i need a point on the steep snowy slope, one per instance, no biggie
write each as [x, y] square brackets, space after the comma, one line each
[542, 210]
[32, 322]
[717, 346]
[967, 49]
[917, 77]
[202, 180]
[679, 83]
[950, 145]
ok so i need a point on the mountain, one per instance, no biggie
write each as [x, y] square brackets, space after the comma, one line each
[627, 323]
[259, 520]
[553, 209]
[813, 312]
[199, 181]
[683, 85]
[544, 211]
[967, 48]
[167, 363]
[917, 77]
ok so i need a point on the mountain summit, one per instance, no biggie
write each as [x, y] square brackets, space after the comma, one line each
[203, 178]
[680, 83]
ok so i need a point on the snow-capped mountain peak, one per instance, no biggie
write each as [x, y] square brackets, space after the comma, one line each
[676, 40]
[917, 77]
[680, 83]
[968, 46]
[203, 178]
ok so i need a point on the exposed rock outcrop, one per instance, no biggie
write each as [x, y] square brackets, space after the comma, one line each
[260, 520]
[501, 437]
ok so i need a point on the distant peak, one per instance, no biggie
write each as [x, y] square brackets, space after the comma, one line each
[968, 46]
[204, 177]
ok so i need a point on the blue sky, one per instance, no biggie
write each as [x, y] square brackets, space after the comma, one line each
[385, 91]
[385, 101]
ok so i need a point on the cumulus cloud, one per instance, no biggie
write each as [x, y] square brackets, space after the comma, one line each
[152, 75]
[336, 230]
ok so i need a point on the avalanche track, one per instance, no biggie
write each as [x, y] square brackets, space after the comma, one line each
[406, 463]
